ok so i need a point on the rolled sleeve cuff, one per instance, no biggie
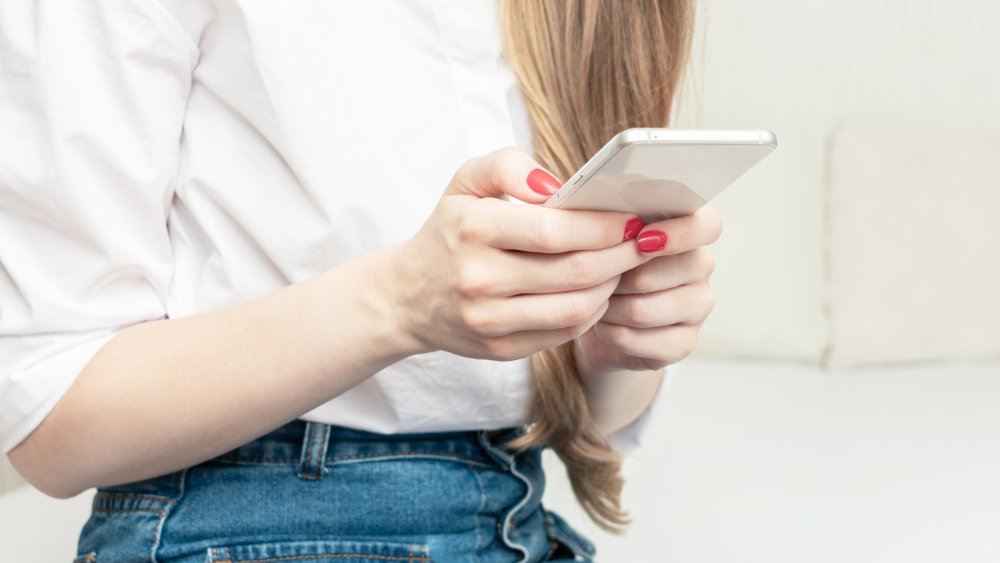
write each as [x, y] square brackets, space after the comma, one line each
[30, 392]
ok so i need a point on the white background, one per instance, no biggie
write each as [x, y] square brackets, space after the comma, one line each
[777, 460]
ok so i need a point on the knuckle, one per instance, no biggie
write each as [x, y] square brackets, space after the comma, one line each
[469, 318]
[570, 332]
[652, 364]
[468, 174]
[617, 336]
[717, 224]
[710, 220]
[507, 156]
[643, 280]
[672, 357]
[576, 331]
[464, 170]
[581, 270]
[689, 343]
[700, 299]
[478, 323]
[469, 282]
[611, 229]
[493, 349]
[683, 345]
[638, 312]
[709, 303]
[500, 350]
[708, 264]
[504, 162]
[469, 230]
[576, 311]
[545, 235]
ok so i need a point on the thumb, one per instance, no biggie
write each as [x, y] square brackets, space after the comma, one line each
[505, 172]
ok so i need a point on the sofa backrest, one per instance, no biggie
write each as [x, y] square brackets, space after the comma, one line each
[852, 89]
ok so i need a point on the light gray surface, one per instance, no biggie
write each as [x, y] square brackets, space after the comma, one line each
[761, 462]
[9, 478]
[35, 528]
[778, 463]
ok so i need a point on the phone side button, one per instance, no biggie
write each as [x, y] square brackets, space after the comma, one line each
[576, 179]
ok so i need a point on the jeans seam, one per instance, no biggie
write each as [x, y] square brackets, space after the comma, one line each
[305, 456]
[321, 451]
[421, 559]
[497, 473]
[165, 513]
[509, 463]
[130, 496]
[281, 460]
[146, 510]
[480, 540]
[415, 455]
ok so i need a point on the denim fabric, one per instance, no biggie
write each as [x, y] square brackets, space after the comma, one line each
[318, 493]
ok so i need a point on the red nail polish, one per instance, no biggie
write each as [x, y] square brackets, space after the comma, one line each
[651, 241]
[632, 228]
[542, 182]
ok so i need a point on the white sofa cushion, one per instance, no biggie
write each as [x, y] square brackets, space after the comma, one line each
[914, 244]
[769, 280]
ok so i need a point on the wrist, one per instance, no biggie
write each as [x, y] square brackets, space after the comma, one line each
[387, 277]
[353, 304]
[616, 398]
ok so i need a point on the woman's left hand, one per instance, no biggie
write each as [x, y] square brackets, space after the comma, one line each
[658, 309]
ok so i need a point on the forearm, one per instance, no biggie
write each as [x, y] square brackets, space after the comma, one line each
[618, 398]
[167, 394]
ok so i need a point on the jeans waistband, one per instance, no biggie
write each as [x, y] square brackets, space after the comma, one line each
[304, 483]
[314, 446]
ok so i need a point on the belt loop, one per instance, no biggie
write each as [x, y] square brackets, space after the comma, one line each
[501, 455]
[312, 462]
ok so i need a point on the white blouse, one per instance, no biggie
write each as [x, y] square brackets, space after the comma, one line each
[161, 158]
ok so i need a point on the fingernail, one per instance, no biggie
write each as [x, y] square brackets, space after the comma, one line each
[632, 228]
[651, 241]
[542, 182]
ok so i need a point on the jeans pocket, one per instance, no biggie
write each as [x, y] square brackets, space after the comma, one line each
[86, 558]
[122, 527]
[565, 538]
[322, 551]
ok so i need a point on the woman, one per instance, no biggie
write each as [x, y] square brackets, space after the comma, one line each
[240, 306]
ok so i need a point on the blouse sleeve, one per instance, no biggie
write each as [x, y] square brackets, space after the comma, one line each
[92, 102]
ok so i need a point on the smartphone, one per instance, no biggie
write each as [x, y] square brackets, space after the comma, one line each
[662, 173]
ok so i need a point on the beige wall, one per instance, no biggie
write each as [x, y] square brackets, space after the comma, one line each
[802, 69]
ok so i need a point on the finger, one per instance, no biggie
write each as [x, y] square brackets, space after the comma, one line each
[507, 171]
[529, 272]
[530, 228]
[666, 344]
[665, 272]
[522, 344]
[604, 358]
[538, 311]
[687, 304]
[680, 234]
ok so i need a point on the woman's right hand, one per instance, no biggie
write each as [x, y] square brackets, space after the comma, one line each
[488, 278]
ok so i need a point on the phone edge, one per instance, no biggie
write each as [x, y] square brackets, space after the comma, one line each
[659, 136]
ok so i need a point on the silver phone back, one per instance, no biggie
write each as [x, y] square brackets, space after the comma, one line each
[661, 173]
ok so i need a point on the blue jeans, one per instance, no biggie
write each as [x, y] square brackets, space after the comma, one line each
[317, 493]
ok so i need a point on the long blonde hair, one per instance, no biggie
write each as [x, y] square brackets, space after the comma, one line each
[589, 69]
